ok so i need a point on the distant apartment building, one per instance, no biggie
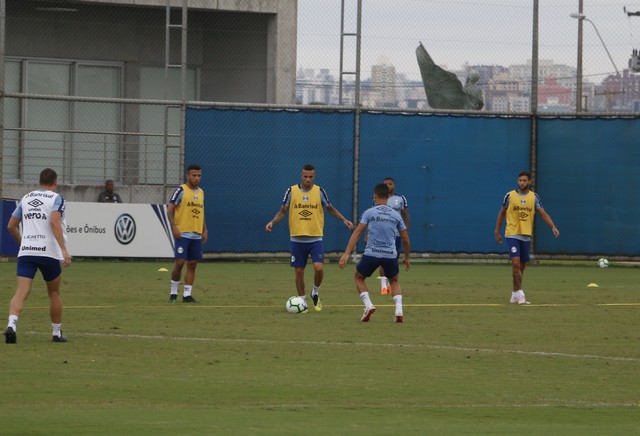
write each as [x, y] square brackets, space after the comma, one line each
[553, 96]
[617, 93]
[510, 89]
[413, 95]
[316, 88]
[384, 85]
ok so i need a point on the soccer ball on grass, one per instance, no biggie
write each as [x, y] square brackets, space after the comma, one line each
[295, 305]
[603, 263]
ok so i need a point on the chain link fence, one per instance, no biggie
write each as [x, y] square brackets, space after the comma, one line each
[493, 38]
[98, 89]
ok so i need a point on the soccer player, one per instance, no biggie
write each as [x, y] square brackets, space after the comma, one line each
[520, 206]
[382, 223]
[42, 247]
[398, 203]
[186, 216]
[305, 203]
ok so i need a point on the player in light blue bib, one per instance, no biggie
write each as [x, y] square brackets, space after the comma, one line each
[398, 203]
[381, 223]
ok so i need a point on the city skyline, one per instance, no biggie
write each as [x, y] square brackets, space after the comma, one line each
[460, 32]
[505, 89]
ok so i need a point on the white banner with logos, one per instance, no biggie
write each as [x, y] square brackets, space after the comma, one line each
[118, 230]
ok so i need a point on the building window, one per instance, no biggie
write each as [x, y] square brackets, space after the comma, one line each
[88, 142]
[77, 139]
[152, 153]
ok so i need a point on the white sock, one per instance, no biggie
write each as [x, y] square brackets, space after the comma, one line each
[364, 296]
[56, 329]
[315, 290]
[174, 287]
[384, 282]
[398, 301]
[13, 321]
[187, 291]
[304, 298]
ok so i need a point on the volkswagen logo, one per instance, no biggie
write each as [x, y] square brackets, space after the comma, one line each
[125, 229]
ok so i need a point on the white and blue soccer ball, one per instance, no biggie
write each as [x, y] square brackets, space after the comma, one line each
[295, 305]
[603, 263]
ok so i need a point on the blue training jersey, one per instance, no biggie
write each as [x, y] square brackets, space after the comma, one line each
[383, 223]
[396, 202]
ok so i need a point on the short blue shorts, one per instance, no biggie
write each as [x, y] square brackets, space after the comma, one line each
[369, 264]
[189, 249]
[300, 252]
[399, 246]
[518, 248]
[29, 265]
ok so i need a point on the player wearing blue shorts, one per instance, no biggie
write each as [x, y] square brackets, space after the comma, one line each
[186, 216]
[520, 207]
[381, 223]
[398, 203]
[305, 203]
[42, 248]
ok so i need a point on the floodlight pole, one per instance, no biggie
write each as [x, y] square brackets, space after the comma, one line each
[579, 61]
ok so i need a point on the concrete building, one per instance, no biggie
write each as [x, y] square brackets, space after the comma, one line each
[238, 51]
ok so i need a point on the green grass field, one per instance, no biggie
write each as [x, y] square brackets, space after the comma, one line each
[464, 362]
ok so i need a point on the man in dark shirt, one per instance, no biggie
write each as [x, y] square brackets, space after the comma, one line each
[108, 196]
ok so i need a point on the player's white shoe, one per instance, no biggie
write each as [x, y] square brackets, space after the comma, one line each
[367, 314]
[518, 298]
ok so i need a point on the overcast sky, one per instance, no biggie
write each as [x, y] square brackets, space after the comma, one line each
[455, 32]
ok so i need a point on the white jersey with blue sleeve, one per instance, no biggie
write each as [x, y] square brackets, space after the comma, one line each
[34, 211]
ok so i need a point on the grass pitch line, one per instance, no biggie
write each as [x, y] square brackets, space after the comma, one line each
[438, 406]
[363, 344]
[260, 306]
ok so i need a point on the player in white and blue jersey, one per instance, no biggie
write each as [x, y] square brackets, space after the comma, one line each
[382, 223]
[42, 248]
[398, 203]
